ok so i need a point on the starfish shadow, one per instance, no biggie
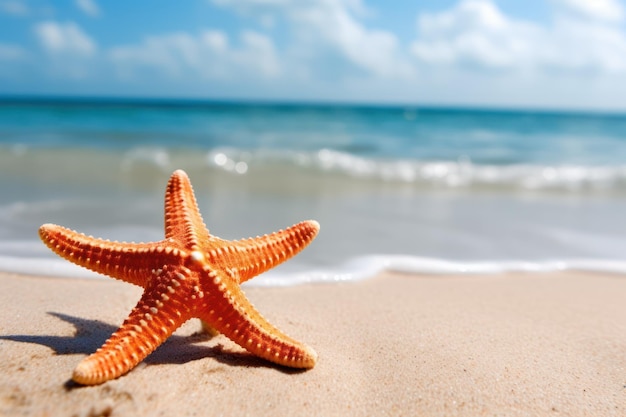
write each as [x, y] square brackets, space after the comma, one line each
[91, 334]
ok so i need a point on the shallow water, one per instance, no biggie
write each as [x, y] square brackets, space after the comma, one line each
[412, 189]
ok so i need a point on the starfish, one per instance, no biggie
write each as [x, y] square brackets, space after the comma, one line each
[190, 273]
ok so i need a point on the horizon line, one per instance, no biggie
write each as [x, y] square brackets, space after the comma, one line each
[164, 101]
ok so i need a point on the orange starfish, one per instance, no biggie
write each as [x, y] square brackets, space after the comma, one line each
[188, 274]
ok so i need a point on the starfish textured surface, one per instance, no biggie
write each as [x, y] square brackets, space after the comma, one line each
[188, 274]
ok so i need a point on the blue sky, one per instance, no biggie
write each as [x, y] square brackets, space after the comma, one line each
[512, 53]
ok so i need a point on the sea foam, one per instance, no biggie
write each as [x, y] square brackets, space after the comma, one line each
[141, 166]
[353, 270]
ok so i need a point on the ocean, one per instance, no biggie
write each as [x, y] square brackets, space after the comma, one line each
[412, 189]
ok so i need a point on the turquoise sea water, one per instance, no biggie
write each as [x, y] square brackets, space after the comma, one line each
[417, 189]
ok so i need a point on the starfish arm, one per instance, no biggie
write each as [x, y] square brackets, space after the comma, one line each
[232, 314]
[251, 257]
[130, 262]
[161, 310]
[183, 220]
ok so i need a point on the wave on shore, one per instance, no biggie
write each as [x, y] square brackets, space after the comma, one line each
[142, 164]
[354, 269]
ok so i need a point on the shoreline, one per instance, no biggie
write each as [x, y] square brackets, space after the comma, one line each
[397, 344]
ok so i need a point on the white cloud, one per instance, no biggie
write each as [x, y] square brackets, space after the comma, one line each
[209, 54]
[215, 40]
[260, 8]
[608, 10]
[580, 46]
[89, 7]
[476, 34]
[168, 53]
[258, 51]
[70, 51]
[373, 50]
[322, 25]
[64, 38]
[14, 8]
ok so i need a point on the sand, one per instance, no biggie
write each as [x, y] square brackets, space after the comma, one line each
[496, 345]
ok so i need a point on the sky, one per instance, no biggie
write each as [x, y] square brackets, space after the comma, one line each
[555, 54]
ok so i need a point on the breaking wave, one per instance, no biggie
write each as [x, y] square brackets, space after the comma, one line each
[100, 167]
[460, 174]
